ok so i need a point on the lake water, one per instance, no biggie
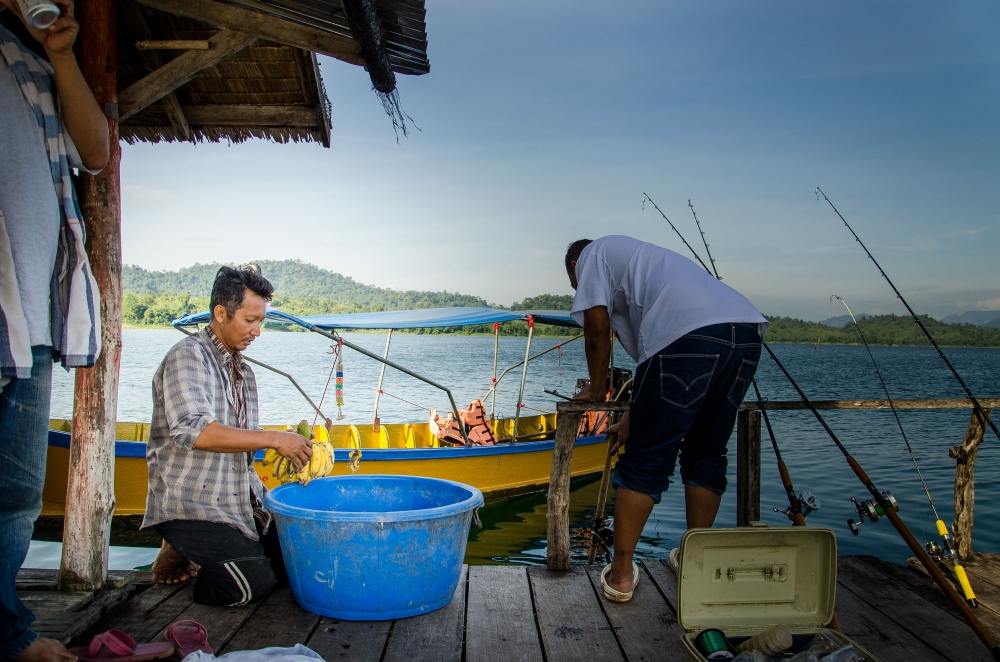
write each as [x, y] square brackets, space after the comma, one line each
[514, 528]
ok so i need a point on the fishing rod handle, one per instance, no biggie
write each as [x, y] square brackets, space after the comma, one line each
[946, 586]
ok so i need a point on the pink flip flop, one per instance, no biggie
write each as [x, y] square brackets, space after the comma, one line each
[118, 645]
[188, 637]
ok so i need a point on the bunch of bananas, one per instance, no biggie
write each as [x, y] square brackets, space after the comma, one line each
[320, 464]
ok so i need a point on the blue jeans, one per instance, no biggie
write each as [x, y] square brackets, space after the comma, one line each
[686, 403]
[24, 423]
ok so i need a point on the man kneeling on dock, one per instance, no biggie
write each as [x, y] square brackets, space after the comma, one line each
[204, 497]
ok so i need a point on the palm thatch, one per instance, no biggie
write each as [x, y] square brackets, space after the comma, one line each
[212, 70]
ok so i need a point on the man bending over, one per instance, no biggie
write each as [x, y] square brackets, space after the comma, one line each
[204, 497]
[696, 343]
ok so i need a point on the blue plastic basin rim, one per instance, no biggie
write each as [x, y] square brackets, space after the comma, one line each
[475, 500]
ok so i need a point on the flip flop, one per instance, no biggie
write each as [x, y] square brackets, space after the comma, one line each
[118, 645]
[188, 637]
[613, 594]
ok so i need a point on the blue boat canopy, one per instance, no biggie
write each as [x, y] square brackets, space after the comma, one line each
[423, 318]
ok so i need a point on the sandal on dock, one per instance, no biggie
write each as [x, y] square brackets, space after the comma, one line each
[118, 645]
[613, 594]
[188, 637]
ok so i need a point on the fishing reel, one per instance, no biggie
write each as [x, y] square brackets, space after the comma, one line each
[806, 503]
[872, 510]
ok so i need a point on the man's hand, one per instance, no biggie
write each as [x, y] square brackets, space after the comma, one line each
[58, 38]
[293, 446]
[618, 434]
[587, 395]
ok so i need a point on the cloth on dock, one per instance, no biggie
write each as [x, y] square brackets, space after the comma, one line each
[296, 653]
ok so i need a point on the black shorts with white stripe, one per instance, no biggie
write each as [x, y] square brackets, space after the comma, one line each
[234, 569]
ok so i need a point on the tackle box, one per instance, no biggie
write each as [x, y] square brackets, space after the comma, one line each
[743, 580]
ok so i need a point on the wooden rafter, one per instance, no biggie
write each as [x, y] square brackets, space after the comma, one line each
[153, 61]
[179, 71]
[263, 26]
[172, 44]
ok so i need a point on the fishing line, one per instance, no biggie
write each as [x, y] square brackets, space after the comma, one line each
[948, 553]
[886, 506]
[978, 408]
[799, 506]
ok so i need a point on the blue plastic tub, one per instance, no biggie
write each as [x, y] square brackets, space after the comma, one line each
[373, 547]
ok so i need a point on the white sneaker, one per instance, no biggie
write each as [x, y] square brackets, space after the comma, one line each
[674, 559]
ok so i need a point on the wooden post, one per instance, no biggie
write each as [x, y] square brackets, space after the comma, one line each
[747, 467]
[90, 489]
[965, 484]
[557, 515]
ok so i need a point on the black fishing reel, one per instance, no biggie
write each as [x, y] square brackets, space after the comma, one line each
[872, 510]
[806, 503]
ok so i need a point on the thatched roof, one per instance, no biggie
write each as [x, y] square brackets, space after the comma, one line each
[231, 70]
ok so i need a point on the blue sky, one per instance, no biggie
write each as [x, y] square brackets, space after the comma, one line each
[542, 122]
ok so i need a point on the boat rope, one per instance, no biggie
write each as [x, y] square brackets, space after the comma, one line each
[409, 402]
[948, 553]
[978, 408]
[334, 349]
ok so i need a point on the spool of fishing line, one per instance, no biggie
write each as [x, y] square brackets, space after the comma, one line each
[713, 645]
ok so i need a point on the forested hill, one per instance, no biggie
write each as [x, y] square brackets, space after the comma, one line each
[296, 280]
[882, 330]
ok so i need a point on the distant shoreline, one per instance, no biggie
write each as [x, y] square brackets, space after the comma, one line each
[161, 327]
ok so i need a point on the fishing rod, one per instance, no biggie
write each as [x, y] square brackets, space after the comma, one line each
[799, 505]
[978, 408]
[888, 508]
[948, 551]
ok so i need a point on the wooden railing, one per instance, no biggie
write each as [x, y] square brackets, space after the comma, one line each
[748, 455]
[748, 435]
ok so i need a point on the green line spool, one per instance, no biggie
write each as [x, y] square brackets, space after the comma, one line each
[713, 645]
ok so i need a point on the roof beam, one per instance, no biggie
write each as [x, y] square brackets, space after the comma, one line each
[153, 61]
[263, 26]
[258, 116]
[180, 70]
[172, 44]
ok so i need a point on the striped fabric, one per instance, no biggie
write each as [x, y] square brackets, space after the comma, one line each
[192, 388]
[74, 299]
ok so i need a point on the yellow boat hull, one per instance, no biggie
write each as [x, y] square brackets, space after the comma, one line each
[395, 448]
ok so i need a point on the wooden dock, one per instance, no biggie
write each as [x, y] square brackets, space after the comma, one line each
[530, 613]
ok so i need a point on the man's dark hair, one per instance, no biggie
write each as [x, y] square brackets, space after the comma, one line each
[231, 284]
[574, 250]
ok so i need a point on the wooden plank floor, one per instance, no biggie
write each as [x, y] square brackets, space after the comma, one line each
[502, 613]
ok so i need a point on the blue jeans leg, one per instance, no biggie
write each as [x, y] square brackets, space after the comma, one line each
[24, 422]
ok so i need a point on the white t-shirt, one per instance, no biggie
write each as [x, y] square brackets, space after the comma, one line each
[653, 295]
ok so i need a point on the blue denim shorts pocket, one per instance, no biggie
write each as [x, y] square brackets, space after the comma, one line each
[685, 378]
[743, 377]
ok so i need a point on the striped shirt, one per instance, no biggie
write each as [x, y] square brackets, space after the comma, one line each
[200, 382]
[74, 300]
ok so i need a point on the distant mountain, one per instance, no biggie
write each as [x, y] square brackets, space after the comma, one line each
[978, 317]
[296, 280]
[840, 321]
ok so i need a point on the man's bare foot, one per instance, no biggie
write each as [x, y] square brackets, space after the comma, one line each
[45, 650]
[172, 568]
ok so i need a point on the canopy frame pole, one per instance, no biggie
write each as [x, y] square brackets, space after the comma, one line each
[524, 375]
[336, 337]
[326, 419]
[530, 358]
[376, 423]
[496, 352]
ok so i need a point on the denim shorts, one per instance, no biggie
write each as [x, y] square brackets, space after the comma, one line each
[685, 402]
